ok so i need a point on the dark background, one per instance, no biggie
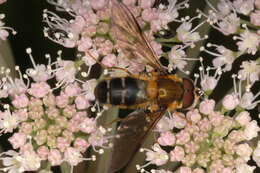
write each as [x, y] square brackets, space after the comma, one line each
[25, 16]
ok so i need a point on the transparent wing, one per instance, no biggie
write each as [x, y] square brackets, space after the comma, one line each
[132, 132]
[131, 39]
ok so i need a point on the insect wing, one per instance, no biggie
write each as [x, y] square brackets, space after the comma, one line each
[131, 134]
[130, 38]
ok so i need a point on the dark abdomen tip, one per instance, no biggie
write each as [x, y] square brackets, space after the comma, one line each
[101, 92]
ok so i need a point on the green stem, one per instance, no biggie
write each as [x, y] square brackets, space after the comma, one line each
[65, 167]
[167, 40]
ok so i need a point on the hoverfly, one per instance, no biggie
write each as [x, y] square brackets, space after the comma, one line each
[157, 91]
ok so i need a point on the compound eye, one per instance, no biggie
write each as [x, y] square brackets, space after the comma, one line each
[188, 95]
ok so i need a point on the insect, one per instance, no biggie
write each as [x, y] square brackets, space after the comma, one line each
[151, 94]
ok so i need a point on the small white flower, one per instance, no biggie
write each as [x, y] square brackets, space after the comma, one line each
[165, 124]
[243, 118]
[244, 151]
[157, 156]
[256, 154]
[246, 101]
[39, 72]
[10, 160]
[250, 71]
[249, 42]
[251, 130]
[185, 34]
[244, 168]
[8, 121]
[224, 7]
[179, 122]
[30, 161]
[73, 156]
[177, 58]
[66, 71]
[208, 81]
[229, 24]
[244, 6]
[230, 101]
[225, 20]
[225, 58]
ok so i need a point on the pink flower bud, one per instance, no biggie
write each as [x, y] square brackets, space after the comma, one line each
[110, 60]
[157, 47]
[104, 14]
[204, 125]
[41, 137]
[26, 128]
[81, 144]
[166, 138]
[81, 102]
[182, 137]
[2, 1]
[230, 101]
[43, 152]
[149, 14]
[129, 2]
[84, 44]
[74, 125]
[257, 4]
[103, 28]
[184, 169]
[62, 100]
[3, 34]
[207, 106]
[88, 59]
[88, 125]
[72, 90]
[52, 113]
[55, 157]
[243, 118]
[49, 100]
[177, 154]
[191, 147]
[244, 150]
[22, 114]
[69, 111]
[39, 89]
[105, 47]
[20, 101]
[256, 154]
[98, 4]
[194, 115]
[17, 140]
[215, 118]
[227, 170]
[26, 148]
[147, 3]
[255, 18]
[251, 130]
[198, 170]
[54, 129]
[62, 143]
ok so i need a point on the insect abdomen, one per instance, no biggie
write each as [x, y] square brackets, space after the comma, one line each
[117, 91]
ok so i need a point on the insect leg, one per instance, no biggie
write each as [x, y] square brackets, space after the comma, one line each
[113, 121]
[155, 137]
